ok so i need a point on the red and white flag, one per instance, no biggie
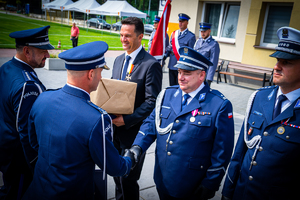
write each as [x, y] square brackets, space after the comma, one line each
[158, 46]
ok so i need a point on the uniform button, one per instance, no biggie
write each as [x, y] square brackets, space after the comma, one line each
[160, 114]
[177, 121]
[266, 133]
[201, 167]
[250, 178]
[254, 163]
[260, 148]
[171, 142]
[169, 153]
[174, 131]
[287, 137]
[199, 123]
[253, 123]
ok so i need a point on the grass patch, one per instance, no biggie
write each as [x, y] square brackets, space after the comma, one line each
[11, 23]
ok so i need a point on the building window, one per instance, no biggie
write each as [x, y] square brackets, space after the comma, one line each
[224, 19]
[277, 15]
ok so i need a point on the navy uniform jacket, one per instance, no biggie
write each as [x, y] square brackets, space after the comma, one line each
[67, 131]
[211, 50]
[19, 89]
[187, 39]
[275, 171]
[147, 73]
[199, 151]
[151, 38]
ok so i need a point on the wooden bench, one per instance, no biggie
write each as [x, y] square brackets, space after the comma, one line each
[225, 65]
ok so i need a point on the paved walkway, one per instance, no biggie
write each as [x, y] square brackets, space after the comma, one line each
[236, 94]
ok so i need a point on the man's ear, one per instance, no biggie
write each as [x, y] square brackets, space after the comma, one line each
[91, 74]
[26, 51]
[140, 37]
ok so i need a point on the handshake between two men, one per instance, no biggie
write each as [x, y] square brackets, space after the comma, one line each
[134, 153]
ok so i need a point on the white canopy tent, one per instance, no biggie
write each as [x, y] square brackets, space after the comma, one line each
[57, 4]
[83, 6]
[118, 8]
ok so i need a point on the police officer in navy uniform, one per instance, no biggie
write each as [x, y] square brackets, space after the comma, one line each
[182, 37]
[194, 132]
[71, 134]
[208, 47]
[19, 89]
[265, 164]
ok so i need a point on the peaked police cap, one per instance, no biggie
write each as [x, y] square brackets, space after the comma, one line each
[289, 44]
[37, 37]
[85, 57]
[192, 60]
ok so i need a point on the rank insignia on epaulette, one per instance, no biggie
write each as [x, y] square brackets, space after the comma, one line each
[271, 94]
[27, 76]
[176, 93]
[297, 105]
[33, 74]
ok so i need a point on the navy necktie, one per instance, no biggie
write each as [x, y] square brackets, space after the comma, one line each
[125, 67]
[184, 102]
[277, 109]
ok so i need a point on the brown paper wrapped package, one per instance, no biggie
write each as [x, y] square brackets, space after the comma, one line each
[115, 96]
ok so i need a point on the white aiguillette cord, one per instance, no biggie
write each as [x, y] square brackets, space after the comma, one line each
[256, 140]
[161, 131]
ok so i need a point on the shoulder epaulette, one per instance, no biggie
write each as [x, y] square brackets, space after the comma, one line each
[172, 87]
[267, 87]
[97, 107]
[52, 89]
[192, 32]
[217, 93]
[27, 76]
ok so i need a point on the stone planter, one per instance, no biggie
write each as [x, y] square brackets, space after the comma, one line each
[55, 64]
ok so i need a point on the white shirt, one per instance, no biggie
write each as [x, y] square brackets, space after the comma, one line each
[193, 94]
[291, 97]
[132, 57]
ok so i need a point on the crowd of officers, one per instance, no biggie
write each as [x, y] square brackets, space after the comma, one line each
[50, 140]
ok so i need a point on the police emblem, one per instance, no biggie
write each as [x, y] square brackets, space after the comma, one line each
[186, 51]
[202, 96]
[285, 33]
[280, 130]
